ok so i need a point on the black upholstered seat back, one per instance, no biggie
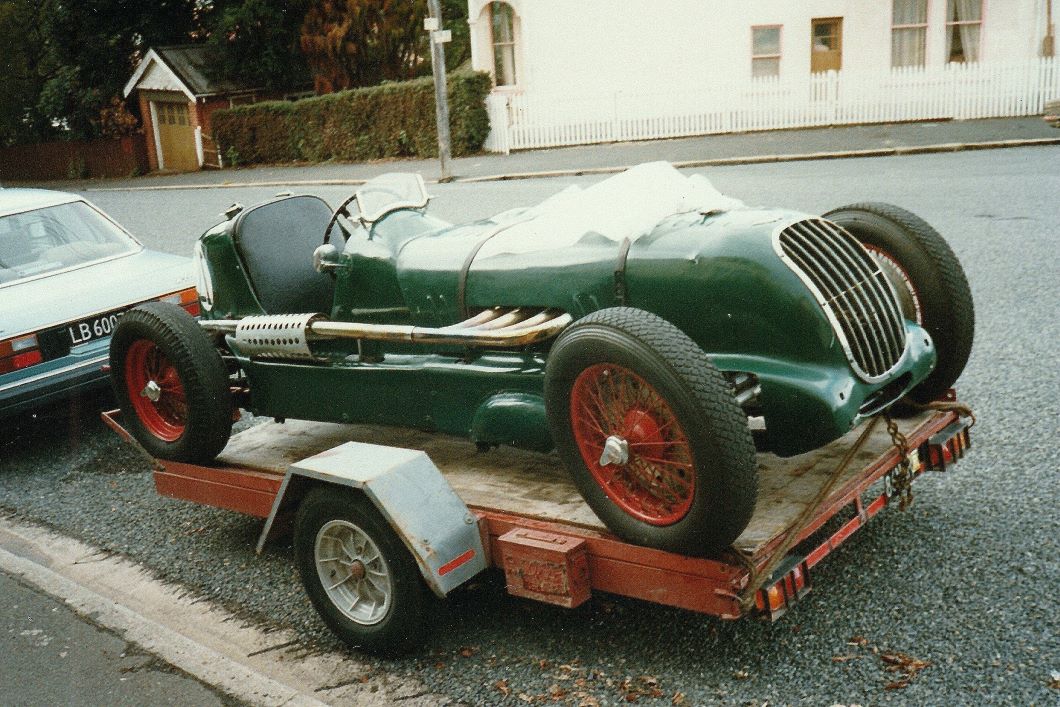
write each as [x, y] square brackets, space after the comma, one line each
[276, 242]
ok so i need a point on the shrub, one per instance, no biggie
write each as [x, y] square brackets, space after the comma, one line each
[389, 120]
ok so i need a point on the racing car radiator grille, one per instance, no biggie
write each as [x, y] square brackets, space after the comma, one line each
[850, 286]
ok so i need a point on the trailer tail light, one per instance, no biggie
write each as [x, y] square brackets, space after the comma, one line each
[188, 299]
[948, 446]
[790, 583]
[18, 353]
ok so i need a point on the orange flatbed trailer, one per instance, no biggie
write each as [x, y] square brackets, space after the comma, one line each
[552, 548]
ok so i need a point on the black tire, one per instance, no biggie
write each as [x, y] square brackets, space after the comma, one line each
[327, 511]
[192, 425]
[919, 256]
[685, 394]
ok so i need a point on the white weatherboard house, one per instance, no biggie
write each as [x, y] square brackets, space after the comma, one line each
[604, 70]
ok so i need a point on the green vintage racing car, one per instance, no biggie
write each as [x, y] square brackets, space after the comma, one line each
[650, 329]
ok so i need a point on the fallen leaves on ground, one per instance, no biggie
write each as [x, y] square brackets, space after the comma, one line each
[907, 665]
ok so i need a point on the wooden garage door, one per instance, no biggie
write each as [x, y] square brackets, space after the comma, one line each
[176, 135]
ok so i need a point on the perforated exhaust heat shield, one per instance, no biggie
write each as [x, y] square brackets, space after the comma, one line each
[280, 336]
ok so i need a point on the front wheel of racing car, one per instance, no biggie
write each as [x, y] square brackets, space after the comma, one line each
[360, 577]
[651, 432]
[171, 383]
[928, 279]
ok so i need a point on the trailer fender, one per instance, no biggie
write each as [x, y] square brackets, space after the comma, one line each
[411, 493]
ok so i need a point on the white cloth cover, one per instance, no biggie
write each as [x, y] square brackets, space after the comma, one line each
[627, 205]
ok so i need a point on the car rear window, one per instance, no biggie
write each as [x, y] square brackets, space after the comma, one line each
[55, 238]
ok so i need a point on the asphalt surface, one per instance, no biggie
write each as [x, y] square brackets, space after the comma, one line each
[965, 581]
[55, 657]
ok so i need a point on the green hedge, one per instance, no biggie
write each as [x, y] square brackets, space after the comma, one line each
[391, 120]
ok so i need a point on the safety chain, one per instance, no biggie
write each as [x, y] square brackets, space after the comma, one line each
[902, 475]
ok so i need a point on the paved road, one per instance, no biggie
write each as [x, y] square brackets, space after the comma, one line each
[965, 580]
[54, 657]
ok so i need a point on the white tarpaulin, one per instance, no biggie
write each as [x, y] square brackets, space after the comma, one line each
[627, 205]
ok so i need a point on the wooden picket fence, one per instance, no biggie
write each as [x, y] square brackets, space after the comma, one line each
[960, 91]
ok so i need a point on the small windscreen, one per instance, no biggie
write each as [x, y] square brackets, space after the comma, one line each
[55, 238]
[391, 192]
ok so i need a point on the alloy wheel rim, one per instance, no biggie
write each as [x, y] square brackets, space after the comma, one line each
[632, 444]
[155, 391]
[353, 572]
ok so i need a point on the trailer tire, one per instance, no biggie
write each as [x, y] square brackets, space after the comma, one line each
[928, 278]
[339, 530]
[682, 474]
[172, 384]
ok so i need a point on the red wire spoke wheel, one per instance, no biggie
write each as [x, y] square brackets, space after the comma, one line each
[650, 470]
[155, 391]
[650, 432]
[172, 384]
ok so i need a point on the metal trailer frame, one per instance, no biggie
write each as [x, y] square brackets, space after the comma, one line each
[563, 563]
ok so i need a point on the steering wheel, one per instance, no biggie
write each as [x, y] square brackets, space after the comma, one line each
[340, 211]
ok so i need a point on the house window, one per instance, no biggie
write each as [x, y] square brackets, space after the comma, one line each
[964, 25]
[908, 33]
[765, 51]
[826, 44]
[503, 24]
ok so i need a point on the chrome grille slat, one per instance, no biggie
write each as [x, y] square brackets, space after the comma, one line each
[854, 293]
[883, 295]
[852, 289]
[835, 290]
[864, 275]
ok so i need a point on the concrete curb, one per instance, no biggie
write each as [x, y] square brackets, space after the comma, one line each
[684, 164]
[792, 157]
[207, 665]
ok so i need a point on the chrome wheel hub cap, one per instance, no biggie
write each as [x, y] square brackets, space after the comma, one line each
[616, 451]
[152, 391]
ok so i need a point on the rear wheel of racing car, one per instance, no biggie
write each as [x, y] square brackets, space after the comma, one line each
[651, 432]
[928, 279]
[362, 580]
[171, 383]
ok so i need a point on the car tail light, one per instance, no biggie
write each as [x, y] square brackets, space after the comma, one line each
[188, 299]
[18, 353]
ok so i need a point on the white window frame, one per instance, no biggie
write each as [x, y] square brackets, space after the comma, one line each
[512, 46]
[922, 26]
[778, 55]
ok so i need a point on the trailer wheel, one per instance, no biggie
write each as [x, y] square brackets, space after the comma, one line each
[358, 574]
[651, 432]
[928, 279]
[169, 378]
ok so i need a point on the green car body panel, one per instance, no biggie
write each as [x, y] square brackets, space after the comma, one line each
[715, 276]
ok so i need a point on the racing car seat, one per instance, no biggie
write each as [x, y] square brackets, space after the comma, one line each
[276, 240]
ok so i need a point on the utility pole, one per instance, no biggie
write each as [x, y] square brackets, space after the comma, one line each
[438, 38]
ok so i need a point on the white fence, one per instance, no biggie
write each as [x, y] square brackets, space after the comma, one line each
[532, 120]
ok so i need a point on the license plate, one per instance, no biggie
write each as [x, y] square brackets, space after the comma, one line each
[93, 328]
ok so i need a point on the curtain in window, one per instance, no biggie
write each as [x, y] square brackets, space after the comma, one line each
[909, 12]
[963, 39]
[503, 43]
[909, 44]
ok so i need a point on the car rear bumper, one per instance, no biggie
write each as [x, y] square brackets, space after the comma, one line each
[63, 377]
